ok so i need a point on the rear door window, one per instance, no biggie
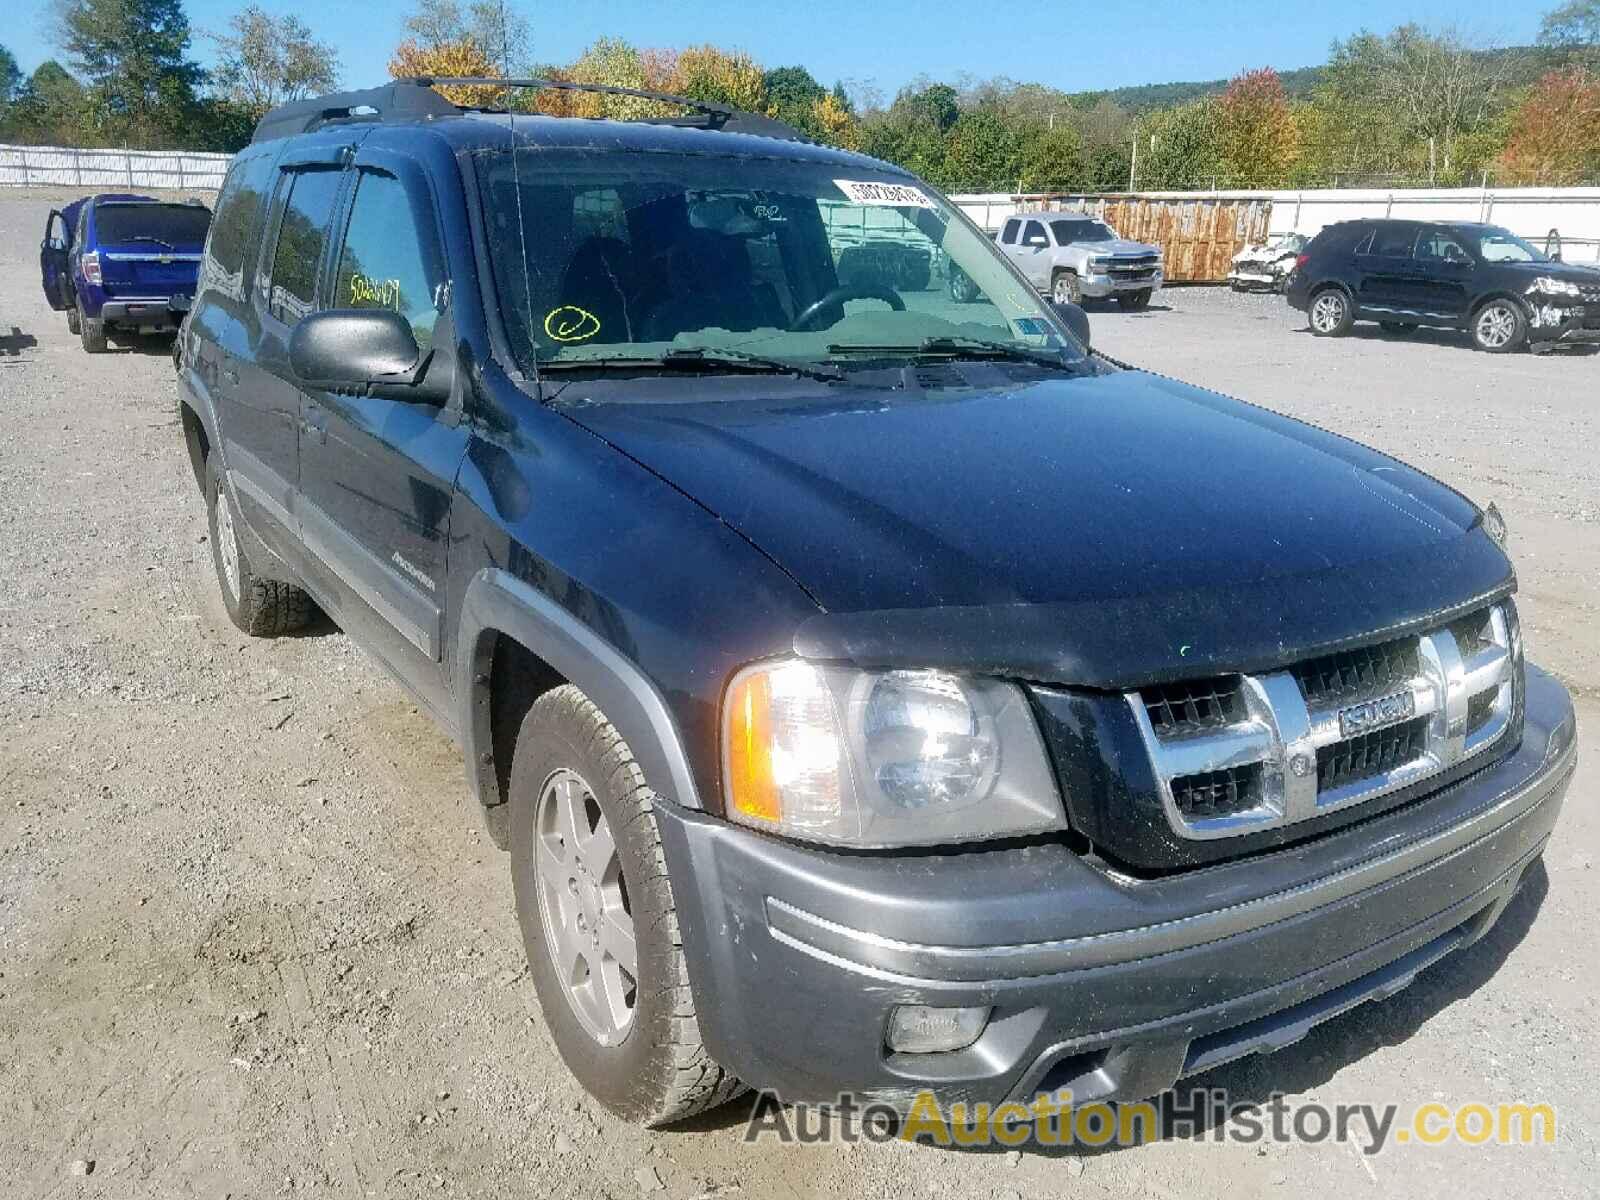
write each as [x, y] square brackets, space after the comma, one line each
[1009, 237]
[388, 260]
[1393, 241]
[302, 237]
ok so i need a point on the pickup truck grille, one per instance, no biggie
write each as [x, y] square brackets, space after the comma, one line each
[1243, 753]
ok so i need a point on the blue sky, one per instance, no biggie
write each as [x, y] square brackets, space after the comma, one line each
[1064, 43]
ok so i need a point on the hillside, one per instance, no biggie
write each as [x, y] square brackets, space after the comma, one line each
[1527, 64]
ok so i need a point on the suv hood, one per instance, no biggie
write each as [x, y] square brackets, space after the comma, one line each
[1097, 530]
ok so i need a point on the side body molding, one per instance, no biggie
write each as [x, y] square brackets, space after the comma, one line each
[498, 602]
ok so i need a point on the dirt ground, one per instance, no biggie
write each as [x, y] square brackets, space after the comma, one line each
[253, 941]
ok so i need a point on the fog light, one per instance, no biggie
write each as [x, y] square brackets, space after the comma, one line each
[918, 1029]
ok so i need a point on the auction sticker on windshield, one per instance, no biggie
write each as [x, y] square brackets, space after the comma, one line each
[895, 195]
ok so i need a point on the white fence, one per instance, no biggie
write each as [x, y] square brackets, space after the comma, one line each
[102, 170]
[1530, 213]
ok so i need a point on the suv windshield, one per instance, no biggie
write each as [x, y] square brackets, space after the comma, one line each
[176, 225]
[1082, 231]
[642, 256]
[1498, 245]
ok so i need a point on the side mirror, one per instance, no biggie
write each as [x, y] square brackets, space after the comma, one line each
[1075, 319]
[365, 350]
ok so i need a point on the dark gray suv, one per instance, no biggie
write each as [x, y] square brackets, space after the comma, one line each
[875, 691]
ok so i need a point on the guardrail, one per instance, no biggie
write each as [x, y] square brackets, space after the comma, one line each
[103, 170]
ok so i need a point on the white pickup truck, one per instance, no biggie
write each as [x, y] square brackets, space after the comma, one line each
[1070, 256]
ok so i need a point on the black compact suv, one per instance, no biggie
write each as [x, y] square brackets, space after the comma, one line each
[1480, 278]
[875, 691]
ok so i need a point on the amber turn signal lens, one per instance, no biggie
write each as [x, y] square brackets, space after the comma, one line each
[751, 785]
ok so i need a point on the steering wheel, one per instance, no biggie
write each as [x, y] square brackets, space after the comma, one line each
[847, 291]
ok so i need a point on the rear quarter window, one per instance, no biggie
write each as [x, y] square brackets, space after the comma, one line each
[236, 229]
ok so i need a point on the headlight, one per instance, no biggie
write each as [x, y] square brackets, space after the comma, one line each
[1097, 264]
[1555, 287]
[1494, 524]
[883, 758]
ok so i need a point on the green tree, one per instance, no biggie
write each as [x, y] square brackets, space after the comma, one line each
[982, 153]
[1576, 23]
[267, 60]
[1435, 88]
[48, 109]
[791, 91]
[134, 54]
[10, 76]
[1052, 160]
[1180, 148]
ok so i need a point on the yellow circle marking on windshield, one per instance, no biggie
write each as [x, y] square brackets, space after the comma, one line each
[569, 323]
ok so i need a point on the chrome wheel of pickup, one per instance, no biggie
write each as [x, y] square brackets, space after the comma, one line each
[583, 904]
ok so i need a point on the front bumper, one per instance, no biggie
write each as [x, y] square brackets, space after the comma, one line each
[1100, 286]
[1550, 324]
[1110, 986]
[1256, 277]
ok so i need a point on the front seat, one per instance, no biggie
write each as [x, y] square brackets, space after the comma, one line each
[712, 286]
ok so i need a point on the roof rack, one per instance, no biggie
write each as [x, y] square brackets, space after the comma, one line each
[414, 99]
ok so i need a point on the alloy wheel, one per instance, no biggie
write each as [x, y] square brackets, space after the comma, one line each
[1496, 327]
[584, 909]
[1327, 311]
[227, 544]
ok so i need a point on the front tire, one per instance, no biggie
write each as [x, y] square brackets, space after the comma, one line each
[598, 917]
[962, 289]
[1500, 327]
[1065, 288]
[259, 607]
[1330, 314]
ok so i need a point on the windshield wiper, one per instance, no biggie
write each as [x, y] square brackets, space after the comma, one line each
[699, 356]
[144, 237]
[972, 349]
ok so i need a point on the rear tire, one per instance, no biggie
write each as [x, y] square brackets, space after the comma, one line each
[92, 333]
[1330, 313]
[259, 607]
[73, 324]
[1500, 327]
[587, 862]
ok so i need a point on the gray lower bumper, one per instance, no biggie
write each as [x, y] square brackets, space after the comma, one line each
[1111, 986]
[1100, 286]
[160, 312]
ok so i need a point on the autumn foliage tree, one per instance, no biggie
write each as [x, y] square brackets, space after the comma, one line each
[1555, 131]
[461, 57]
[1256, 136]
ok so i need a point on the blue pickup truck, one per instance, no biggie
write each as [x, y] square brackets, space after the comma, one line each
[126, 262]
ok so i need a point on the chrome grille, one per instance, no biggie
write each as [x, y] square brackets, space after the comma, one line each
[1356, 673]
[1241, 753]
[1194, 707]
[1218, 793]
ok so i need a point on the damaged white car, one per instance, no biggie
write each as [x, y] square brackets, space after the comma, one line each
[1266, 267]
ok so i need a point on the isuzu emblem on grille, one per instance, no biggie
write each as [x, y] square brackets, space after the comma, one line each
[1375, 714]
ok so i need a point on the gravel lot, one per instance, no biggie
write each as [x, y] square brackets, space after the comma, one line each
[253, 941]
